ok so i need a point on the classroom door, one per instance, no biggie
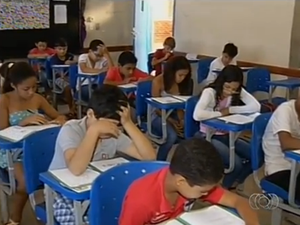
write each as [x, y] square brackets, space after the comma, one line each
[142, 32]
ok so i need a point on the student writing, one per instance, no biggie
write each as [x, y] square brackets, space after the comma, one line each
[19, 105]
[175, 80]
[41, 50]
[194, 173]
[96, 137]
[223, 97]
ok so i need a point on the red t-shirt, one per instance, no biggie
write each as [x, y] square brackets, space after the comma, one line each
[113, 74]
[145, 201]
[48, 51]
[159, 54]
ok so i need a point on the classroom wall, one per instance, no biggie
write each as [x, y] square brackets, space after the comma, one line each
[110, 21]
[295, 38]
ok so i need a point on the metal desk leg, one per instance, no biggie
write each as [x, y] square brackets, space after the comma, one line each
[49, 200]
[54, 88]
[232, 138]
[90, 87]
[293, 180]
[271, 91]
[78, 213]
[79, 98]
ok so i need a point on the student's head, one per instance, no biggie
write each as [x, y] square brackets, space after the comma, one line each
[41, 44]
[127, 63]
[177, 70]
[22, 79]
[196, 167]
[96, 50]
[61, 47]
[169, 44]
[105, 103]
[229, 83]
[229, 52]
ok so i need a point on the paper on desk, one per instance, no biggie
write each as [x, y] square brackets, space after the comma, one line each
[130, 85]
[239, 119]
[191, 56]
[104, 165]
[166, 100]
[296, 151]
[60, 14]
[171, 222]
[182, 97]
[213, 215]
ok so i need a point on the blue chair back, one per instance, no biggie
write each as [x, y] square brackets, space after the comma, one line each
[258, 130]
[203, 69]
[101, 78]
[191, 126]
[109, 189]
[149, 62]
[257, 79]
[38, 151]
[73, 74]
[48, 68]
[143, 91]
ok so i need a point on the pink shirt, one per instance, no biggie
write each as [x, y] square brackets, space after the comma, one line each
[225, 103]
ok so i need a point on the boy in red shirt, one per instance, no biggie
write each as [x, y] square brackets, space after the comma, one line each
[126, 72]
[162, 55]
[41, 50]
[195, 171]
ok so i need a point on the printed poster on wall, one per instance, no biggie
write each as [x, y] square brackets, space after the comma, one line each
[24, 14]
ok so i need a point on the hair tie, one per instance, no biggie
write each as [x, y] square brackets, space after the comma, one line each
[10, 65]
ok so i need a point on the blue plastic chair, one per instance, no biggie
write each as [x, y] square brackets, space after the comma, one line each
[257, 160]
[191, 126]
[38, 152]
[143, 91]
[257, 80]
[149, 63]
[109, 189]
[203, 69]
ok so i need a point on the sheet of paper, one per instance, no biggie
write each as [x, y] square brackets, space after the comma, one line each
[166, 100]
[296, 151]
[182, 97]
[237, 119]
[104, 165]
[131, 85]
[60, 14]
[213, 215]
[72, 181]
[171, 222]
[191, 56]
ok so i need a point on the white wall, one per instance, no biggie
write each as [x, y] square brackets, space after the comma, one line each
[260, 28]
[112, 21]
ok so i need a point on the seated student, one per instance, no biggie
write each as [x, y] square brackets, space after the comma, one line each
[41, 50]
[175, 80]
[229, 53]
[162, 55]
[282, 134]
[194, 173]
[126, 71]
[221, 98]
[63, 57]
[97, 60]
[96, 137]
[19, 105]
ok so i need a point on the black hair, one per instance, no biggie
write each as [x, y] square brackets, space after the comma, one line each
[61, 43]
[5, 68]
[107, 100]
[40, 40]
[231, 50]
[94, 44]
[16, 74]
[230, 73]
[127, 57]
[171, 67]
[198, 162]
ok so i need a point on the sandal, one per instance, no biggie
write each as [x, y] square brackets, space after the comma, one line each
[11, 222]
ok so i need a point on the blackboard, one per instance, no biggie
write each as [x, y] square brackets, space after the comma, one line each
[17, 43]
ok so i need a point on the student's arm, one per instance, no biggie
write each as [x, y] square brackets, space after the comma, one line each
[157, 58]
[112, 77]
[202, 110]
[239, 203]
[4, 122]
[82, 61]
[251, 104]
[110, 62]
[49, 110]
[35, 54]
[139, 146]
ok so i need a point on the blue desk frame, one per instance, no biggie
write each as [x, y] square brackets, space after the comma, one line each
[290, 84]
[62, 70]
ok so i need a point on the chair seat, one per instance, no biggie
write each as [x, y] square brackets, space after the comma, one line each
[41, 214]
[276, 100]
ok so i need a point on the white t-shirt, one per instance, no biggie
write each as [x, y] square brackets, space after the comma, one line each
[218, 65]
[283, 119]
[84, 58]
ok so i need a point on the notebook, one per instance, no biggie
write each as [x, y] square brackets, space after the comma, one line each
[104, 165]
[76, 183]
[166, 100]
[131, 85]
[239, 119]
[18, 133]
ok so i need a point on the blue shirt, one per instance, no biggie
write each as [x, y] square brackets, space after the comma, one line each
[54, 60]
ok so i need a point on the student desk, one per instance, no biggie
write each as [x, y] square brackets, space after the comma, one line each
[166, 110]
[295, 160]
[244, 69]
[234, 132]
[62, 71]
[290, 84]
[128, 88]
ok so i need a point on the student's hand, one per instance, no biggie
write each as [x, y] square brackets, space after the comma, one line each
[59, 120]
[125, 115]
[103, 49]
[127, 80]
[34, 120]
[106, 129]
[69, 62]
[168, 54]
[225, 112]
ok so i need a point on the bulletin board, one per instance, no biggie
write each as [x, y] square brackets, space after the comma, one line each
[23, 22]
